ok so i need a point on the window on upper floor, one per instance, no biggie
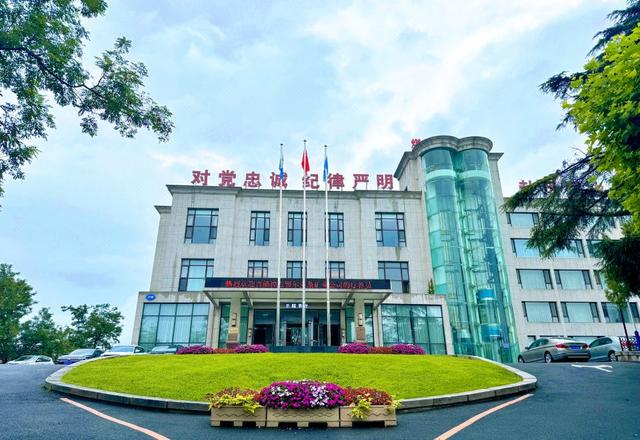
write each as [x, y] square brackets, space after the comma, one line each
[634, 312]
[612, 313]
[580, 311]
[294, 229]
[390, 229]
[592, 246]
[397, 272]
[202, 226]
[521, 249]
[522, 219]
[601, 281]
[573, 279]
[193, 274]
[260, 228]
[336, 270]
[258, 269]
[576, 250]
[294, 269]
[537, 311]
[534, 278]
[336, 229]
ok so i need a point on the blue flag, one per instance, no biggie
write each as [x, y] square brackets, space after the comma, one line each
[281, 166]
[325, 174]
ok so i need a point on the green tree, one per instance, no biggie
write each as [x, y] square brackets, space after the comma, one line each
[94, 326]
[601, 187]
[41, 335]
[41, 49]
[16, 301]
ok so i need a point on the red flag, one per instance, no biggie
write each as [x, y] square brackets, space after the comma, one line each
[305, 162]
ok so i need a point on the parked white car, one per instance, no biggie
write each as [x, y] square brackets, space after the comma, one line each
[123, 350]
[32, 360]
[605, 348]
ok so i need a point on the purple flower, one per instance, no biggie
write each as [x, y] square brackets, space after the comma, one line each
[407, 349]
[354, 348]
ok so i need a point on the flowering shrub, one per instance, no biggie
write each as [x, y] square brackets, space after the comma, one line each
[354, 348]
[234, 397]
[304, 394]
[195, 349]
[255, 348]
[407, 349]
[381, 350]
[361, 400]
[224, 350]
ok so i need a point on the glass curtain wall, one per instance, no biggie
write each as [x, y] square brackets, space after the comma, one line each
[467, 254]
[171, 323]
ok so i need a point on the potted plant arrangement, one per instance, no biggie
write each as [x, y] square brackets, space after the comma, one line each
[302, 402]
[368, 404]
[236, 405]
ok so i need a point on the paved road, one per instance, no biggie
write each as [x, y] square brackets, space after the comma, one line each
[570, 403]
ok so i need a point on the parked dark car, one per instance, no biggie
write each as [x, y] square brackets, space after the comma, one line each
[80, 354]
[555, 349]
[165, 349]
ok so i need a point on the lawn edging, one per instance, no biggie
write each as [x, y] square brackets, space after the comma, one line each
[54, 383]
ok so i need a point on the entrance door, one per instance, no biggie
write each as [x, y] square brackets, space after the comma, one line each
[294, 334]
[263, 326]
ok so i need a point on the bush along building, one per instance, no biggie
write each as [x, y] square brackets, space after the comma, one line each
[428, 258]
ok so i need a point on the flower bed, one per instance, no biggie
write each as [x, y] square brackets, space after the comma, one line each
[302, 402]
[361, 348]
[203, 349]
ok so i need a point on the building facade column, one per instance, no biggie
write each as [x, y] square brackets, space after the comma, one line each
[233, 336]
[359, 318]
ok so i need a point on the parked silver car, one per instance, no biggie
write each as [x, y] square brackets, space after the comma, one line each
[604, 348]
[32, 360]
[123, 350]
[555, 349]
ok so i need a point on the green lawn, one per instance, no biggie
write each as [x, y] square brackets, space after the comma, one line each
[189, 377]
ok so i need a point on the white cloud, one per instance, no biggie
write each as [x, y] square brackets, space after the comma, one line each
[402, 63]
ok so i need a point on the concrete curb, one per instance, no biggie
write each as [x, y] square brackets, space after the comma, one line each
[54, 383]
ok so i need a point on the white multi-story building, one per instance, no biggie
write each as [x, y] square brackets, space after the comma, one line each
[217, 263]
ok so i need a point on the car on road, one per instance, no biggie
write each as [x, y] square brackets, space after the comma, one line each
[32, 360]
[555, 349]
[165, 349]
[123, 350]
[80, 354]
[604, 348]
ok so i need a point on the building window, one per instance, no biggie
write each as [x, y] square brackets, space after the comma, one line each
[260, 225]
[390, 229]
[414, 324]
[294, 269]
[397, 272]
[634, 312]
[580, 312]
[534, 278]
[258, 269]
[612, 313]
[336, 270]
[202, 226]
[576, 250]
[193, 274]
[573, 279]
[294, 229]
[336, 229]
[601, 282]
[225, 311]
[522, 219]
[170, 323]
[535, 311]
[592, 246]
[519, 247]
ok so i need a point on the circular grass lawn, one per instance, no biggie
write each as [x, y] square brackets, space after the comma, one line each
[190, 377]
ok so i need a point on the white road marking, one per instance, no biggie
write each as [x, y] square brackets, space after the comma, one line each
[604, 368]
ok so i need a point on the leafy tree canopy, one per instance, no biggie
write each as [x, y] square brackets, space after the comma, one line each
[16, 300]
[41, 335]
[94, 326]
[41, 44]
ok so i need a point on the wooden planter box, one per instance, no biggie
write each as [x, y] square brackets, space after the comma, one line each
[303, 417]
[378, 413]
[238, 415]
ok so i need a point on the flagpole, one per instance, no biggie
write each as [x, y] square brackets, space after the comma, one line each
[304, 248]
[280, 171]
[326, 226]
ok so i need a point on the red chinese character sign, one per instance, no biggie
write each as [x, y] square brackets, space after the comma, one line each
[360, 178]
[275, 180]
[311, 181]
[252, 180]
[335, 181]
[384, 181]
[200, 177]
[227, 178]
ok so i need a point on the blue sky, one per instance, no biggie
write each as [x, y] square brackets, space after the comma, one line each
[242, 77]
